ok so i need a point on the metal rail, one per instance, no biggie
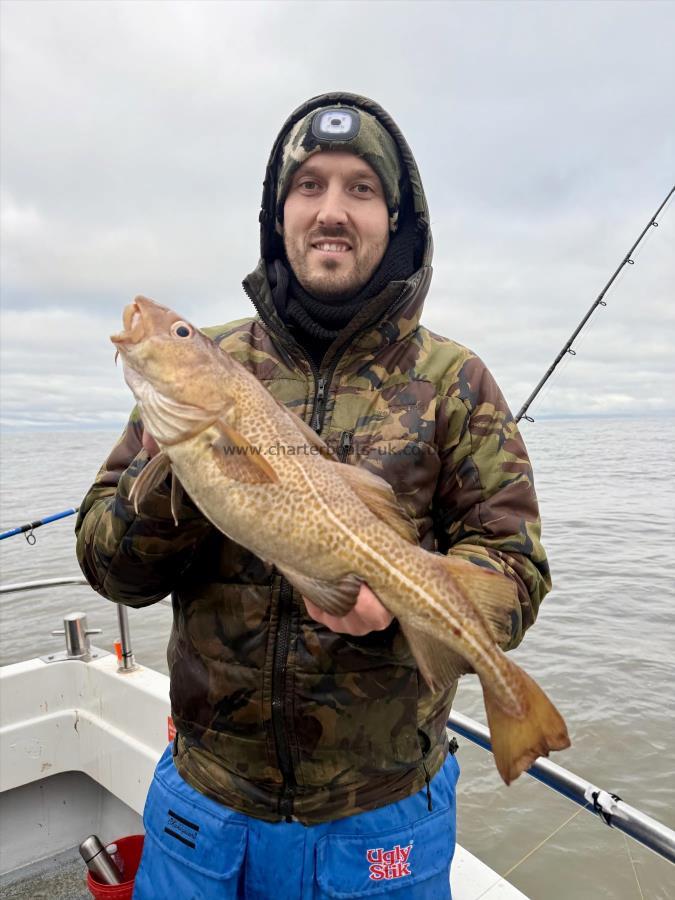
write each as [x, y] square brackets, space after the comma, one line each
[45, 583]
[126, 654]
[607, 806]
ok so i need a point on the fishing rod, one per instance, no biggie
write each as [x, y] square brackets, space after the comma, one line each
[599, 301]
[29, 527]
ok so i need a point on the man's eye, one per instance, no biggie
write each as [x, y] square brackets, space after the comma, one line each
[366, 186]
[303, 184]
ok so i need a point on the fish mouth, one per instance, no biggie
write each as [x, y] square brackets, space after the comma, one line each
[133, 327]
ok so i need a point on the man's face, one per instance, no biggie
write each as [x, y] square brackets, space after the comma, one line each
[336, 224]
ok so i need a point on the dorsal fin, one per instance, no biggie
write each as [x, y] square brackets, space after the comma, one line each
[152, 475]
[380, 499]
[374, 491]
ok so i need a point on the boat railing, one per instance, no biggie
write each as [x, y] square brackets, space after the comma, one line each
[608, 807]
[605, 805]
[75, 628]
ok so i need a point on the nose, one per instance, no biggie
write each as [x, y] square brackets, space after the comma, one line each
[332, 211]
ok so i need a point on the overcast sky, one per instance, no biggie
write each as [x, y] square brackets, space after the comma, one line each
[135, 137]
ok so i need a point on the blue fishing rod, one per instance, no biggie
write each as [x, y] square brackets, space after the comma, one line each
[599, 301]
[29, 527]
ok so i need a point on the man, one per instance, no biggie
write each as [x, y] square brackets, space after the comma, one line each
[311, 759]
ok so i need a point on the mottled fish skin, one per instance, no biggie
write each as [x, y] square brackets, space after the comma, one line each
[304, 517]
[312, 521]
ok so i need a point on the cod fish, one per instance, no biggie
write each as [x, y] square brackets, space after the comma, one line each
[326, 526]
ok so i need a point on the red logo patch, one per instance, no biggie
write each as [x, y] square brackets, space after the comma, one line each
[389, 863]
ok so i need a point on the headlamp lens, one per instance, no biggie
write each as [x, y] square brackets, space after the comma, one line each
[336, 125]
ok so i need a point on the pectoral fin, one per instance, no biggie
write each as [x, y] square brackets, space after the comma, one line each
[335, 598]
[177, 492]
[239, 459]
[439, 664]
[152, 476]
[380, 499]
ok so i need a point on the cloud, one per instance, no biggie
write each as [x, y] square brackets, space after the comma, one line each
[135, 138]
[58, 371]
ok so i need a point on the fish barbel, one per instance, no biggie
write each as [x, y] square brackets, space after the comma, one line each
[268, 482]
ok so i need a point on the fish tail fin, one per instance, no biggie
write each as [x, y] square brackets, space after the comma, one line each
[517, 741]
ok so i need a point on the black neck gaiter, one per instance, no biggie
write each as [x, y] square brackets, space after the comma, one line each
[317, 323]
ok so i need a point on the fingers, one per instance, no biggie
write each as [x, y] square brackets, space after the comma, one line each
[315, 611]
[343, 624]
[367, 615]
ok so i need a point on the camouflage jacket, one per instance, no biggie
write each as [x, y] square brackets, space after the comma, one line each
[277, 715]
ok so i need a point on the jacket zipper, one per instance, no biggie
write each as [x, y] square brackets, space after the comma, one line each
[345, 446]
[319, 408]
[283, 637]
[319, 403]
[279, 670]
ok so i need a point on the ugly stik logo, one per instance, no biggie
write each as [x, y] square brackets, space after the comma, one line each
[389, 863]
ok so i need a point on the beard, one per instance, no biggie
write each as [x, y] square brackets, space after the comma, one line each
[331, 278]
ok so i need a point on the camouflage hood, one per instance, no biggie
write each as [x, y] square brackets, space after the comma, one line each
[271, 244]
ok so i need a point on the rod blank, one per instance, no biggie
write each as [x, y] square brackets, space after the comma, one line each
[599, 301]
[30, 526]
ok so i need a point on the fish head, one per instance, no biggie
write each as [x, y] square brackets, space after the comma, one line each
[177, 374]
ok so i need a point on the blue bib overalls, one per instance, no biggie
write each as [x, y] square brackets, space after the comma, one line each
[197, 849]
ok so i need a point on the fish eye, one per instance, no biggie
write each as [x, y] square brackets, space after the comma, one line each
[181, 329]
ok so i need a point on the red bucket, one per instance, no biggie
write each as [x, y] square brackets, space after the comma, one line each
[130, 849]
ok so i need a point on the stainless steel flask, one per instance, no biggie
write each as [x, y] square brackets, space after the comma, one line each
[99, 862]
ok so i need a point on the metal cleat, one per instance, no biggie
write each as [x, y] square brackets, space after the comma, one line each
[78, 645]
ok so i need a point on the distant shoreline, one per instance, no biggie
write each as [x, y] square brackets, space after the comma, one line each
[51, 428]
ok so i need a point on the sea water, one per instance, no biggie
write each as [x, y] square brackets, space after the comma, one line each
[603, 646]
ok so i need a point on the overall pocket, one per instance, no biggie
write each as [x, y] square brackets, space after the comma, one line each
[411, 861]
[194, 847]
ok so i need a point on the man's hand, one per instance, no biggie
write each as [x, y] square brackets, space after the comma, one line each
[150, 444]
[367, 615]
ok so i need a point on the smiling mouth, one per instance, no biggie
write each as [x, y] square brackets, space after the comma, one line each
[331, 248]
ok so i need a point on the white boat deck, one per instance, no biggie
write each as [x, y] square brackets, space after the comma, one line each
[78, 747]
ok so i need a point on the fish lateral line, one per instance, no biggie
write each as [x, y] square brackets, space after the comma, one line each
[371, 553]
